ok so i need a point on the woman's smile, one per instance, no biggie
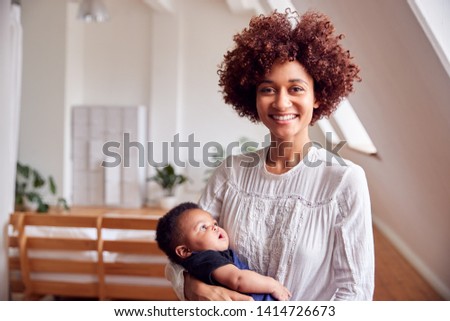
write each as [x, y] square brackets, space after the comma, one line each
[283, 118]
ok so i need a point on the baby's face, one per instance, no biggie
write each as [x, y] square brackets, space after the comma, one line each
[201, 232]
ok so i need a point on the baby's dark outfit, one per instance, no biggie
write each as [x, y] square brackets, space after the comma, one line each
[202, 264]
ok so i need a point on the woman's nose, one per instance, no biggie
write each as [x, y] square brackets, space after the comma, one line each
[282, 100]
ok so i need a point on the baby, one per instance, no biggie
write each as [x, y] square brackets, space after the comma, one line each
[192, 238]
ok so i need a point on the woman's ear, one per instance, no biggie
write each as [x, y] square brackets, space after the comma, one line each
[183, 251]
[316, 104]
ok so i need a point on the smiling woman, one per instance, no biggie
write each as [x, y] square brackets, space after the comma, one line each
[296, 215]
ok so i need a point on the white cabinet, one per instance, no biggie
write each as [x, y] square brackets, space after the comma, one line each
[102, 136]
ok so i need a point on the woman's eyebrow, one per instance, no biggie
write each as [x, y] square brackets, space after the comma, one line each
[298, 80]
[268, 81]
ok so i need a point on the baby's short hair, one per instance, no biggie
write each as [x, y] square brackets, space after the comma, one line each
[168, 232]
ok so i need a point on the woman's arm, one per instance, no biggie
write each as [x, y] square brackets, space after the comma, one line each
[189, 288]
[250, 282]
[353, 256]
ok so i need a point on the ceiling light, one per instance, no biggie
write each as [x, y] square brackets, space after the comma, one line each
[92, 11]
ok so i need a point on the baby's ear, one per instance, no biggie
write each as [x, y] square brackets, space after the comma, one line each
[183, 251]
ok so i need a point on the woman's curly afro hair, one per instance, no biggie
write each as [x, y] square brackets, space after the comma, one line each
[270, 39]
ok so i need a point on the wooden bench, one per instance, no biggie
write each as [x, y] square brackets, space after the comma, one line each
[103, 275]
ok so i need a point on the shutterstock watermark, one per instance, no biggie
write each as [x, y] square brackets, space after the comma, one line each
[212, 153]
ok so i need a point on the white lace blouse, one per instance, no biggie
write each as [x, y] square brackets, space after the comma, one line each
[309, 228]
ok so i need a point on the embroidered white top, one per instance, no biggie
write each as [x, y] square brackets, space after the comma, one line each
[310, 228]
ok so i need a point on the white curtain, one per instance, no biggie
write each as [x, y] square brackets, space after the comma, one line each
[16, 72]
[10, 80]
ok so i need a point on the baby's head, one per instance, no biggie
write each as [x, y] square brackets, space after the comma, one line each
[186, 229]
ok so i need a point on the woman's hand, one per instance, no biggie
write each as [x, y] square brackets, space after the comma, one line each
[195, 290]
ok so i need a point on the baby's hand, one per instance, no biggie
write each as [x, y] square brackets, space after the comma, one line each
[280, 292]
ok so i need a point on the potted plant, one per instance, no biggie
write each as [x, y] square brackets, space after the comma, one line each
[30, 186]
[167, 179]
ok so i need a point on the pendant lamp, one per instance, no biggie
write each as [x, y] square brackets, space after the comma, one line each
[92, 11]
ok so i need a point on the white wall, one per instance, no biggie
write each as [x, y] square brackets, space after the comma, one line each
[41, 142]
[403, 101]
[167, 61]
[74, 87]
[107, 63]
[117, 55]
[68, 62]
[185, 98]
[205, 44]
[166, 92]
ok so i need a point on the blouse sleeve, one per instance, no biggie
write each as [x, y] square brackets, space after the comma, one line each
[174, 273]
[213, 195]
[211, 201]
[353, 255]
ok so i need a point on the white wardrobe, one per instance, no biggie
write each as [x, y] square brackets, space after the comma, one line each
[108, 166]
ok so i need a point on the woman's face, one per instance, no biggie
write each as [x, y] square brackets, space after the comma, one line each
[285, 102]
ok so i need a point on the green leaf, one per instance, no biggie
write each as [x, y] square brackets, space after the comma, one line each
[34, 197]
[23, 170]
[29, 183]
[167, 178]
[42, 207]
[38, 179]
[19, 199]
[52, 185]
[62, 202]
[170, 170]
[22, 188]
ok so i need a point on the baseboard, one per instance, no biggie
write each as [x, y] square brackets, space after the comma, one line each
[413, 259]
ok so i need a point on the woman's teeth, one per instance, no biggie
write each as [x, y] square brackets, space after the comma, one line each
[284, 117]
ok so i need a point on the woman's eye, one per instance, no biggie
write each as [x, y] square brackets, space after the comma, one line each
[297, 89]
[266, 90]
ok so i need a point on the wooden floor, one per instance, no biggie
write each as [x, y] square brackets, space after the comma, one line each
[395, 278]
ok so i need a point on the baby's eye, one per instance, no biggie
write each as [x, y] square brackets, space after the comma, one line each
[203, 228]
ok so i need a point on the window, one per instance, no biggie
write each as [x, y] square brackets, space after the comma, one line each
[433, 16]
[329, 132]
[351, 128]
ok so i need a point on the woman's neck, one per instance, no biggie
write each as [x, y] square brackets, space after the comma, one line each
[284, 155]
